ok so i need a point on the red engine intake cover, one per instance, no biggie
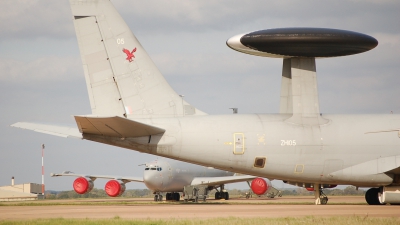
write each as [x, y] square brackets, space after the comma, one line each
[82, 185]
[259, 186]
[310, 189]
[114, 188]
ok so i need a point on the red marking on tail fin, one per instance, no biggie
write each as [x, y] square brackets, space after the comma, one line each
[129, 54]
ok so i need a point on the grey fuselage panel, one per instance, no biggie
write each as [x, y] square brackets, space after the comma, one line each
[349, 149]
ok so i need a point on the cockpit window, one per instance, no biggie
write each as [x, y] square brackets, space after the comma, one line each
[153, 168]
[146, 169]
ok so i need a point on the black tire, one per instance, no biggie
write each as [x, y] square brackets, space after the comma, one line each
[226, 196]
[217, 195]
[324, 200]
[155, 198]
[371, 196]
[177, 197]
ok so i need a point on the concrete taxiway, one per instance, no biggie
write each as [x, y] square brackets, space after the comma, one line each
[243, 208]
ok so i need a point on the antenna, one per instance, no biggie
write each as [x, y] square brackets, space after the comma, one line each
[42, 170]
[235, 110]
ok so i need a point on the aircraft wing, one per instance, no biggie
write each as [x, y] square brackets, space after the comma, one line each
[94, 177]
[61, 131]
[221, 180]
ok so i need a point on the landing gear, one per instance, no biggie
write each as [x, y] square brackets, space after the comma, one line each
[221, 194]
[320, 197]
[158, 197]
[173, 196]
[372, 196]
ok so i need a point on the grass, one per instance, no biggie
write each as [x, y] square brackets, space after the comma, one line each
[170, 203]
[352, 220]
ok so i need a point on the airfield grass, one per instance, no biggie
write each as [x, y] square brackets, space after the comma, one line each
[170, 203]
[352, 220]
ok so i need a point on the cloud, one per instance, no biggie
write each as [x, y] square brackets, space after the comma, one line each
[47, 68]
[200, 16]
[39, 18]
[35, 18]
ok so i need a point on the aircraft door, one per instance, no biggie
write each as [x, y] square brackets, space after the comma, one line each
[238, 144]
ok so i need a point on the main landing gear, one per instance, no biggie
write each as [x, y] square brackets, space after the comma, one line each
[372, 196]
[320, 197]
[173, 196]
[221, 194]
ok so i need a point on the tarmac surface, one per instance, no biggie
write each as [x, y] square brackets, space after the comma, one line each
[144, 208]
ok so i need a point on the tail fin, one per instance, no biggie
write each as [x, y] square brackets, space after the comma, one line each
[121, 78]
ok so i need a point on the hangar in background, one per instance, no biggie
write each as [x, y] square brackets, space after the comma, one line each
[21, 192]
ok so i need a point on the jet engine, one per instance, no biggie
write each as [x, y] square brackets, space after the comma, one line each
[115, 188]
[260, 185]
[322, 186]
[83, 185]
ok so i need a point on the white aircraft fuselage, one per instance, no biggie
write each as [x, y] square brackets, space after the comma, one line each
[172, 176]
[295, 153]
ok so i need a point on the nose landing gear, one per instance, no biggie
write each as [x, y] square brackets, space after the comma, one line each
[158, 197]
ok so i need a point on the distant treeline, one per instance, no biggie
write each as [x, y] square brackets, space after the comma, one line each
[97, 193]
[146, 193]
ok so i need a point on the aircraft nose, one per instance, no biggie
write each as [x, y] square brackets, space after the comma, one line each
[153, 180]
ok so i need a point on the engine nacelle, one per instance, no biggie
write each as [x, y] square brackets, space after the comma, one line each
[390, 194]
[83, 185]
[115, 188]
[323, 186]
[260, 185]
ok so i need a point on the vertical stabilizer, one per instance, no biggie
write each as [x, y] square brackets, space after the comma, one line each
[121, 78]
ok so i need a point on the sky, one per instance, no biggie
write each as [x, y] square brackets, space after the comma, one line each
[41, 77]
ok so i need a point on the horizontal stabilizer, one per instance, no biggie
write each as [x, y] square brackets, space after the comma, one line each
[60, 131]
[94, 177]
[221, 180]
[115, 127]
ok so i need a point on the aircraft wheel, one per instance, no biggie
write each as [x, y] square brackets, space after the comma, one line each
[160, 197]
[324, 200]
[155, 198]
[217, 195]
[371, 196]
[168, 196]
[226, 196]
[177, 197]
